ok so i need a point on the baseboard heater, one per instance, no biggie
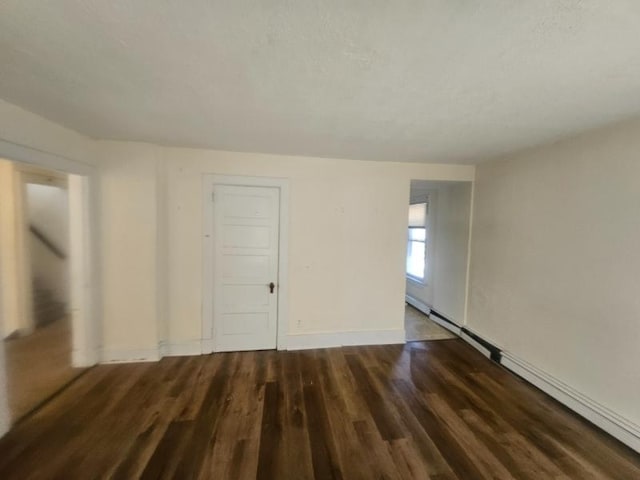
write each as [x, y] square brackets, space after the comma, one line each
[494, 352]
[601, 417]
[445, 322]
[434, 315]
[620, 428]
[490, 350]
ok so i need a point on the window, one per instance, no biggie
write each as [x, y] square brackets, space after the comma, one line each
[417, 242]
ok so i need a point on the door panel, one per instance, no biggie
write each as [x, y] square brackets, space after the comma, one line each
[244, 296]
[246, 226]
[245, 236]
[244, 323]
[246, 206]
[245, 266]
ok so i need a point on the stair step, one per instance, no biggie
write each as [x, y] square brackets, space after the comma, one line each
[49, 312]
[46, 308]
[42, 293]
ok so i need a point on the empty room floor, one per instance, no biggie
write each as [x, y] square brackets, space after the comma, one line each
[419, 326]
[38, 365]
[435, 410]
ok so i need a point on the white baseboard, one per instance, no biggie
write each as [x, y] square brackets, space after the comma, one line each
[129, 355]
[294, 342]
[165, 349]
[183, 348]
[206, 346]
[612, 423]
[342, 339]
[84, 358]
[420, 305]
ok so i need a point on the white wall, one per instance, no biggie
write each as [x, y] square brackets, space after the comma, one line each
[129, 236]
[15, 271]
[450, 209]
[47, 210]
[451, 247]
[338, 282]
[556, 259]
[5, 415]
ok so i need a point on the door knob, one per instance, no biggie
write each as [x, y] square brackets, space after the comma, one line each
[271, 287]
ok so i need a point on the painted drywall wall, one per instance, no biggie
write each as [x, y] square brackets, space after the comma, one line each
[5, 415]
[451, 247]
[17, 314]
[450, 209]
[47, 210]
[555, 261]
[129, 236]
[9, 295]
[339, 281]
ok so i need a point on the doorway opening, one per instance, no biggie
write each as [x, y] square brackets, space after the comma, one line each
[437, 256]
[42, 280]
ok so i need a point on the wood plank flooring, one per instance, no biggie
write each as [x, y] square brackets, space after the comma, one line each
[38, 365]
[425, 410]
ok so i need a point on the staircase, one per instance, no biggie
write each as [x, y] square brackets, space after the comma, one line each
[46, 309]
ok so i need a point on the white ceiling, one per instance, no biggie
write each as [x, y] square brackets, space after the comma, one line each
[435, 81]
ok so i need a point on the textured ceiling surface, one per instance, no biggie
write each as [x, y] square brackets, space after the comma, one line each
[402, 80]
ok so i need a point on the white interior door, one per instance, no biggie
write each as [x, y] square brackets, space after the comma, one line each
[245, 270]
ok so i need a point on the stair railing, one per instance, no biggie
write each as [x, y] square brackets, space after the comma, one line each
[47, 242]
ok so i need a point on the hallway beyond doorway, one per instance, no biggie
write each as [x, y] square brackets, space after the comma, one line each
[419, 326]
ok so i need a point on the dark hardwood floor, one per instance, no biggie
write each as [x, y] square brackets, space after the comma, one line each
[434, 410]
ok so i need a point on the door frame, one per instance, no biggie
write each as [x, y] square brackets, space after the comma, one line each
[85, 300]
[209, 181]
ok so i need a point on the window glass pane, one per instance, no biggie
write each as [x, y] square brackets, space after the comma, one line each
[417, 215]
[415, 259]
[418, 234]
